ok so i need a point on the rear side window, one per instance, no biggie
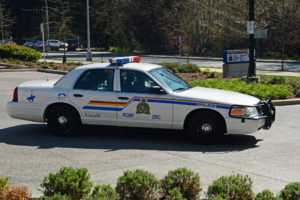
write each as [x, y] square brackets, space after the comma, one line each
[97, 79]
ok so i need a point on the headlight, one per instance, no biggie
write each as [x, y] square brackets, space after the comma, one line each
[243, 111]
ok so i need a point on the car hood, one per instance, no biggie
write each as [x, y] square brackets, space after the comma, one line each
[218, 96]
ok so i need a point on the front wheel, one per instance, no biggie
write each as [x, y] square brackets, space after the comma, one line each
[63, 120]
[206, 127]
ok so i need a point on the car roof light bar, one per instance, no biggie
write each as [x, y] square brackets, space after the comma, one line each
[124, 60]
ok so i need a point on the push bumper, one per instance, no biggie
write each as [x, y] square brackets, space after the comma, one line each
[268, 111]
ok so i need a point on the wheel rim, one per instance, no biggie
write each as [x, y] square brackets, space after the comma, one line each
[62, 120]
[206, 128]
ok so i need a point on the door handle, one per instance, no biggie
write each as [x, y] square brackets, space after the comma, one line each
[77, 95]
[123, 98]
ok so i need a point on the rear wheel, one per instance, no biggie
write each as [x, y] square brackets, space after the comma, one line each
[63, 120]
[206, 127]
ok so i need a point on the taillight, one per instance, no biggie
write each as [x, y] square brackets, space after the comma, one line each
[15, 97]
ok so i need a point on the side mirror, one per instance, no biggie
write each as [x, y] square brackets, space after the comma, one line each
[157, 90]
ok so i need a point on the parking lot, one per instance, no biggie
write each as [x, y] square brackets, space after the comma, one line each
[29, 152]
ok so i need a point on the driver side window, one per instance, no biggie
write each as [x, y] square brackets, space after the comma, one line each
[135, 81]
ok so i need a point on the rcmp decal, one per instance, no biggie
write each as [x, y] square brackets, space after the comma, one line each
[31, 97]
[128, 115]
[144, 108]
[157, 117]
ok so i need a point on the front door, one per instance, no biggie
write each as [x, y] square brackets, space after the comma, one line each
[138, 106]
[94, 95]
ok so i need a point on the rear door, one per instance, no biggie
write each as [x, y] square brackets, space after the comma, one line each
[94, 95]
[138, 106]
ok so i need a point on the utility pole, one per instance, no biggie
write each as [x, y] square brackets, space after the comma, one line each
[89, 53]
[251, 70]
[47, 21]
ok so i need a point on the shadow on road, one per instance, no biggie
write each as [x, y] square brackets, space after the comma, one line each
[112, 139]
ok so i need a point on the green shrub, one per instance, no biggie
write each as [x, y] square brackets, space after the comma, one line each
[265, 195]
[181, 68]
[234, 187]
[56, 67]
[119, 50]
[138, 185]
[217, 198]
[297, 93]
[103, 192]
[45, 66]
[290, 192]
[19, 53]
[281, 91]
[58, 196]
[68, 181]
[186, 180]
[278, 80]
[3, 183]
[174, 194]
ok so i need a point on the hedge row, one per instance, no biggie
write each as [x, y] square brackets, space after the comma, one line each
[19, 53]
[179, 184]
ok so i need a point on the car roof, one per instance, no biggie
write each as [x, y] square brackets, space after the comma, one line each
[135, 66]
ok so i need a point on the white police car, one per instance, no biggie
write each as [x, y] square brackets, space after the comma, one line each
[127, 93]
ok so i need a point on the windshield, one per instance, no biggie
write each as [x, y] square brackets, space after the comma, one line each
[169, 79]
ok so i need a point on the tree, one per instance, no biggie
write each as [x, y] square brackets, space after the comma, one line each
[6, 21]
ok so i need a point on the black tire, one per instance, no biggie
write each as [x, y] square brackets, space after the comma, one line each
[63, 120]
[206, 127]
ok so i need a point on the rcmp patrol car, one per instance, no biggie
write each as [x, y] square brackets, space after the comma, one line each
[127, 93]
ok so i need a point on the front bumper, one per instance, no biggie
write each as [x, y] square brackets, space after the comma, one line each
[265, 113]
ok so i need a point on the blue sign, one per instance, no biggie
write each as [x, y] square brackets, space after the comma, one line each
[236, 56]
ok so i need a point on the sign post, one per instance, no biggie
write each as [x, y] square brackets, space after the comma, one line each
[43, 36]
[251, 70]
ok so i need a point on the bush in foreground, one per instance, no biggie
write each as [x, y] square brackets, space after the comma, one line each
[138, 185]
[74, 183]
[174, 194]
[234, 187]
[265, 195]
[187, 181]
[58, 196]
[19, 53]
[103, 192]
[3, 183]
[290, 192]
[16, 193]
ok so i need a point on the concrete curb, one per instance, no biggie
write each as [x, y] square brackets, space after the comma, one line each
[52, 71]
[286, 102]
[18, 70]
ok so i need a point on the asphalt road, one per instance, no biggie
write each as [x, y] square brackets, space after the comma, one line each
[29, 152]
[261, 64]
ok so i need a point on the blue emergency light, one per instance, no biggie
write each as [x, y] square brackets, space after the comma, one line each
[124, 60]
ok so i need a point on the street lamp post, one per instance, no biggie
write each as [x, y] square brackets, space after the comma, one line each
[47, 21]
[89, 53]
